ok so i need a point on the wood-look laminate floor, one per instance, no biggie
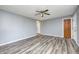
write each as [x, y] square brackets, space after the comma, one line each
[41, 44]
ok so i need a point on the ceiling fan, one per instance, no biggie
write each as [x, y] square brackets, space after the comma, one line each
[43, 12]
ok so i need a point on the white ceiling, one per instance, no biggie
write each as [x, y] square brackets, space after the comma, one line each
[29, 10]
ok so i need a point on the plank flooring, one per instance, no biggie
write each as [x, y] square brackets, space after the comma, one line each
[41, 44]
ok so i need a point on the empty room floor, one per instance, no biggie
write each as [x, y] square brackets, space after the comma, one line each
[41, 44]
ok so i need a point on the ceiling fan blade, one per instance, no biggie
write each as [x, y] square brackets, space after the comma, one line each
[38, 11]
[47, 13]
[42, 11]
[45, 10]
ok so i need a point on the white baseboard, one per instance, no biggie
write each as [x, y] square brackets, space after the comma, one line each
[15, 40]
[53, 35]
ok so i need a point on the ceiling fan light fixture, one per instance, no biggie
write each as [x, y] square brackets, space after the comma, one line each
[43, 12]
[42, 15]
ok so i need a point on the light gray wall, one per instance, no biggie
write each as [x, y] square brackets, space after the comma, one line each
[53, 27]
[78, 26]
[74, 27]
[14, 27]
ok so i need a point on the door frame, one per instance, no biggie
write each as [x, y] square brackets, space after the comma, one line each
[71, 25]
